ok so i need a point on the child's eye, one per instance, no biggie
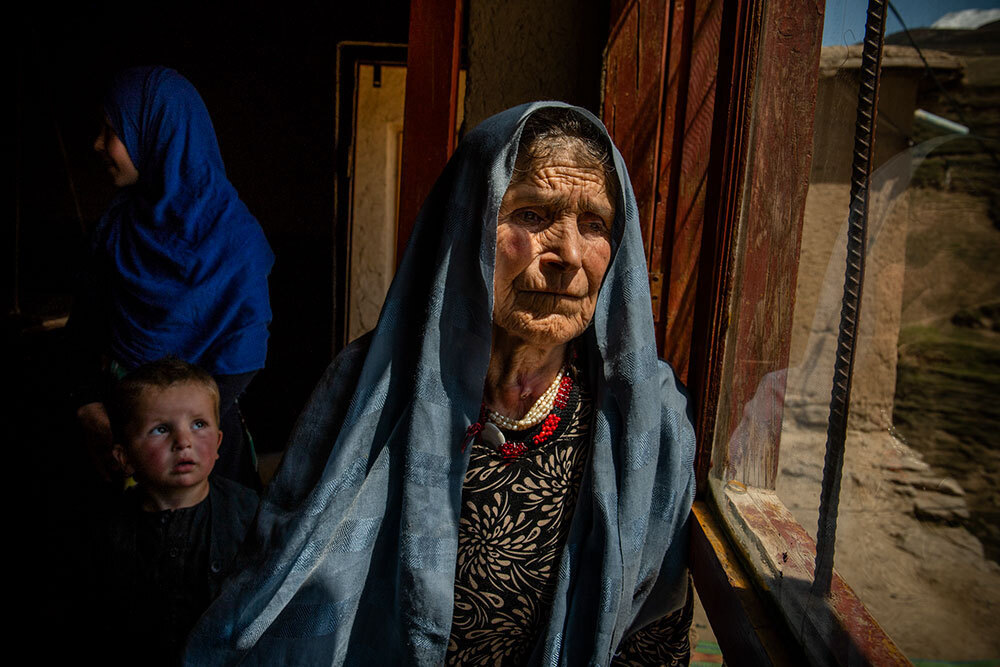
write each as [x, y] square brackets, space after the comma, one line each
[160, 430]
[199, 423]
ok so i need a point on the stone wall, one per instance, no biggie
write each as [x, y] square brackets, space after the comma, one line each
[819, 289]
[523, 50]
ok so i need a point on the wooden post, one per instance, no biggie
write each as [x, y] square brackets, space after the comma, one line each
[768, 230]
[431, 105]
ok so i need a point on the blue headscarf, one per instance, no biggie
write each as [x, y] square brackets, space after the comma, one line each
[352, 556]
[187, 260]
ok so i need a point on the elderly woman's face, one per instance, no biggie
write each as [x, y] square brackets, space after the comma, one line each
[553, 247]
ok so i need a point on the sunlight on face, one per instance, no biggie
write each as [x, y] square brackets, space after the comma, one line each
[553, 247]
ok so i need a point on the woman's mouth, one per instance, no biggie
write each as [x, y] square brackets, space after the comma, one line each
[553, 293]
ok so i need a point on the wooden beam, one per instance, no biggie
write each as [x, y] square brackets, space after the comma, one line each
[633, 84]
[753, 246]
[432, 65]
[659, 93]
[747, 626]
[737, 64]
[684, 162]
[768, 238]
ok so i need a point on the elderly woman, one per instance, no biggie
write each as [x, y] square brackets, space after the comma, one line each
[502, 471]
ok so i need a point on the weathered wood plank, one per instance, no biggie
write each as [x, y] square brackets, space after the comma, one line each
[741, 26]
[768, 237]
[684, 176]
[632, 82]
[659, 87]
[432, 64]
[832, 631]
[744, 621]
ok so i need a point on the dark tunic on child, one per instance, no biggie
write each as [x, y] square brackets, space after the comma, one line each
[163, 568]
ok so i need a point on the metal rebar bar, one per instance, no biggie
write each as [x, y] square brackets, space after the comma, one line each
[857, 237]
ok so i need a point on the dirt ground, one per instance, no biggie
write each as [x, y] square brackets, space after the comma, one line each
[927, 582]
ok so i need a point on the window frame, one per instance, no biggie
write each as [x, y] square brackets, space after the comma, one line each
[762, 144]
[754, 66]
[350, 56]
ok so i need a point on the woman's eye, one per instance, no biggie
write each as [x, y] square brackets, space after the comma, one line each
[594, 225]
[529, 217]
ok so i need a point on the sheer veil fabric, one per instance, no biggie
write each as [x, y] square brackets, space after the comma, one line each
[352, 556]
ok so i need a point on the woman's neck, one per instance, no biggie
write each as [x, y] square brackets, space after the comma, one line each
[519, 372]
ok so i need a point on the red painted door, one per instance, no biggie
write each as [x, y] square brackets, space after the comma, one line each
[659, 98]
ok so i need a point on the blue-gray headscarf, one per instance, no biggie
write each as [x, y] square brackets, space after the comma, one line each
[352, 557]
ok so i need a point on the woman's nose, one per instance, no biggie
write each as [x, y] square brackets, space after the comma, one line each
[99, 142]
[564, 248]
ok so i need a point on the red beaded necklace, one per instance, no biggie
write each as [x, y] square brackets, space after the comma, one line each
[511, 450]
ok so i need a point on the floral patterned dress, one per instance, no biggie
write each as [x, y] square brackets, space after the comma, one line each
[516, 515]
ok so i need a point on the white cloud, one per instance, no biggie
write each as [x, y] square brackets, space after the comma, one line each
[967, 19]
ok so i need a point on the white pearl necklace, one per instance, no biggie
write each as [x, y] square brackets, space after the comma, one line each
[539, 411]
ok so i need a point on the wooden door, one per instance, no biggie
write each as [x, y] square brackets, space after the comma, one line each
[658, 104]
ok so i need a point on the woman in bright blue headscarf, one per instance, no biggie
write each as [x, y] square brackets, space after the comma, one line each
[179, 265]
[502, 471]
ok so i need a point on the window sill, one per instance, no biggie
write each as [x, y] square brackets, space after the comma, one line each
[764, 577]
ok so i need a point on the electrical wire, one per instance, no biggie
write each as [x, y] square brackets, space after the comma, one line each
[937, 82]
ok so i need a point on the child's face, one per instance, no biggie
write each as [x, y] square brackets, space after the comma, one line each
[173, 437]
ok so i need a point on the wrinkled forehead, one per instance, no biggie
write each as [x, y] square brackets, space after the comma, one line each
[575, 141]
[561, 178]
[562, 150]
[539, 149]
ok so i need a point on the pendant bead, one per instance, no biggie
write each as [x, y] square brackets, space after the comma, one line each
[491, 435]
[487, 428]
[539, 411]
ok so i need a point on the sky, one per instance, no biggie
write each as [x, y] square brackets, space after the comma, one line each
[845, 19]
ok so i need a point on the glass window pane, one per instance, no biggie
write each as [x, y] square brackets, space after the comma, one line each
[918, 533]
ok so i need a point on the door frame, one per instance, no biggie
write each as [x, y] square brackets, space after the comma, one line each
[350, 56]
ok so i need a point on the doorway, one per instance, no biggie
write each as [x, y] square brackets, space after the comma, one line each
[371, 100]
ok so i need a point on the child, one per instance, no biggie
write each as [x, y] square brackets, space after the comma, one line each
[171, 539]
[177, 264]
